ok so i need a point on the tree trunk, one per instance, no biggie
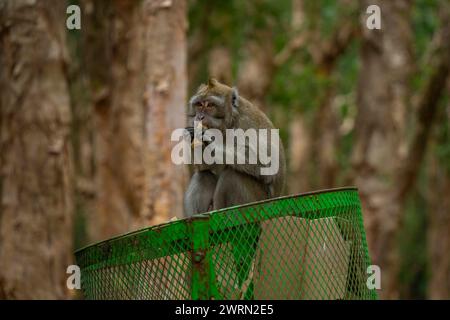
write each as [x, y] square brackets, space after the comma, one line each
[438, 232]
[379, 148]
[220, 65]
[165, 103]
[299, 152]
[326, 141]
[138, 82]
[257, 70]
[114, 59]
[35, 181]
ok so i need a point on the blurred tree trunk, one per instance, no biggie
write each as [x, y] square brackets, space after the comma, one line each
[35, 181]
[439, 189]
[299, 153]
[257, 70]
[379, 149]
[438, 232]
[300, 139]
[325, 131]
[165, 103]
[114, 57]
[138, 78]
[219, 64]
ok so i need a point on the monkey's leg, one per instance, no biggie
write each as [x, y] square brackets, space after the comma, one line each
[200, 192]
[234, 188]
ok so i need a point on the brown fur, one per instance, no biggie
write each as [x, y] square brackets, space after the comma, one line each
[247, 184]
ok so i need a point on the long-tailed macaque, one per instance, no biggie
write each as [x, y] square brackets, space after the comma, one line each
[215, 186]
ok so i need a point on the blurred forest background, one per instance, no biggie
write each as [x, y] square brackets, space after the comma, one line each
[86, 117]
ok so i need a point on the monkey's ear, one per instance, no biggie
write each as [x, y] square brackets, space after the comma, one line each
[212, 82]
[234, 97]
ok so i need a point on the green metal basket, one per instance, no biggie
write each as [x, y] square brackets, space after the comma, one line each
[308, 246]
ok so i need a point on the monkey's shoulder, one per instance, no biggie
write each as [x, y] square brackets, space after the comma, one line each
[250, 116]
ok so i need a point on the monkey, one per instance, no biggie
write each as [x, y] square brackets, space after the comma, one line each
[216, 186]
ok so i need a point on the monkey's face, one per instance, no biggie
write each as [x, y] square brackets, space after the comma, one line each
[212, 105]
[208, 109]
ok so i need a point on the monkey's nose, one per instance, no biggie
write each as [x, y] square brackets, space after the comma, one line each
[200, 117]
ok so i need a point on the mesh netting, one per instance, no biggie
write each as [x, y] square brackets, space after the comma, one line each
[309, 246]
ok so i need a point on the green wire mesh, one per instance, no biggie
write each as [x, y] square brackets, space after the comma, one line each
[309, 246]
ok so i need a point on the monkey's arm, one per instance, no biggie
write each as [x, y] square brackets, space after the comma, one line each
[200, 192]
[239, 156]
[199, 140]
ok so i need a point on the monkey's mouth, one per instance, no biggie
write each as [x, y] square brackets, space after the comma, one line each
[196, 133]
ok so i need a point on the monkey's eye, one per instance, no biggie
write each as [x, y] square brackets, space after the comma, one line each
[197, 104]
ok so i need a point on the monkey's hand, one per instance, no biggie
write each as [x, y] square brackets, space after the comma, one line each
[203, 138]
[191, 135]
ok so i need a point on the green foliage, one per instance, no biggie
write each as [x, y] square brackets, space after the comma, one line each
[425, 24]
[325, 15]
[231, 24]
[413, 249]
[347, 70]
[297, 91]
[80, 223]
